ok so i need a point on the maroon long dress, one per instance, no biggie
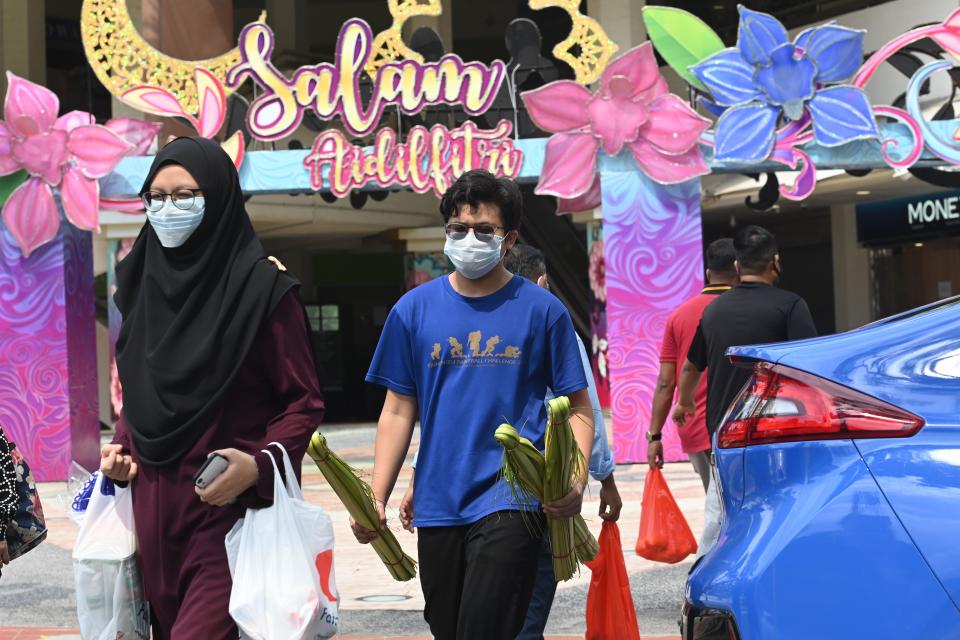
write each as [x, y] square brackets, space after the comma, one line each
[274, 398]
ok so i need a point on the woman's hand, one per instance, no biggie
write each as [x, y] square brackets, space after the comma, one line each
[4, 553]
[240, 475]
[116, 465]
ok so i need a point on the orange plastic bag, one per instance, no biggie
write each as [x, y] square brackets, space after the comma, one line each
[610, 612]
[665, 535]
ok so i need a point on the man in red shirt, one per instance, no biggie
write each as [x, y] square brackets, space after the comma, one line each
[681, 327]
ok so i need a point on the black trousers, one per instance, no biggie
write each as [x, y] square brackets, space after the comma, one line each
[477, 579]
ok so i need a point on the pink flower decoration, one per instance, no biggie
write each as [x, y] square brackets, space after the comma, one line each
[69, 153]
[207, 121]
[631, 109]
[598, 274]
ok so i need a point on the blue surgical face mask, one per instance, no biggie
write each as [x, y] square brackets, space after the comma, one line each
[172, 225]
[474, 258]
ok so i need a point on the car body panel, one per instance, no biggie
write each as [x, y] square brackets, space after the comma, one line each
[849, 538]
[921, 479]
[815, 551]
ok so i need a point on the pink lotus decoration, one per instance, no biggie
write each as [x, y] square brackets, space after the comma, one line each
[209, 119]
[632, 109]
[68, 153]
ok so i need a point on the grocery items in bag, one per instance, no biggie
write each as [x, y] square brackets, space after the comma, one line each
[110, 600]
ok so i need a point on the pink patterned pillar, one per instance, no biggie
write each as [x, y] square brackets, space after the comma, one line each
[48, 360]
[653, 248]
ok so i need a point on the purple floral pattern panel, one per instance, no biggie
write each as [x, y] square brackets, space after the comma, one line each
[598, 312]
[653, 257]
[48, 365]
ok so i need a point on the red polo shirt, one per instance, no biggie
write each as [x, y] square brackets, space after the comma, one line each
[677, 337]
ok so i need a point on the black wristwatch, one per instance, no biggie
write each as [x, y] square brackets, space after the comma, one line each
[654, 437]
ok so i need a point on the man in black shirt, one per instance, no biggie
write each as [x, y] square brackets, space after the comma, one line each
[753, 312]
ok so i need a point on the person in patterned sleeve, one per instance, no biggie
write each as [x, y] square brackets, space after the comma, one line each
[8, 493]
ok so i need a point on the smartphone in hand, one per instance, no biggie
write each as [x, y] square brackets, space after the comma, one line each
[209, 470]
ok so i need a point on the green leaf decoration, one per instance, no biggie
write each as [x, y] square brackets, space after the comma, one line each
[681, 38]
[9, 183]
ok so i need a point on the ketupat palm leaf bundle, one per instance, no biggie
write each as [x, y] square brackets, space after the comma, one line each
[524, 469]
[562, 458]
[356, 496]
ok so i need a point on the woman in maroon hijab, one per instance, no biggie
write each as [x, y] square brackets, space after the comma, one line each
[214, 356]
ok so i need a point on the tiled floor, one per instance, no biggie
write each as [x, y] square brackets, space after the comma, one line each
[359, 572]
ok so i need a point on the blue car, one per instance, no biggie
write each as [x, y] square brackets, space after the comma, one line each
[839, 474]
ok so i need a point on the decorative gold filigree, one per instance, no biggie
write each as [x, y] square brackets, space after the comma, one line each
[595, 47]
[388, 45]
[122, 59]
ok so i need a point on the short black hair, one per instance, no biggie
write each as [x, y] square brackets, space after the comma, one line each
[755, 247]
[479, 186]
[526, 261]
[720, 257]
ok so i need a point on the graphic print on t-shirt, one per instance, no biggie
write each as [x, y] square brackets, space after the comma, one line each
[479, 353]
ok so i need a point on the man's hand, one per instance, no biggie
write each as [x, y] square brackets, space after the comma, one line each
[364, 535]
[240, 475]
[567, 506]
[4, 553]
[406, 508]
[116, 465]
[610, 501]
[655, 453]
[682, 412]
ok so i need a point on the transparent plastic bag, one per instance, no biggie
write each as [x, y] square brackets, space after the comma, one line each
[110, 601]
[79, 488]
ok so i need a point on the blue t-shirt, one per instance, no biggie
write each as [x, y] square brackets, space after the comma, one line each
[473, 364]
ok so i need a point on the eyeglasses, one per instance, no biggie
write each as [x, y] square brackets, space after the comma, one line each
[483, 231]
[182, 199]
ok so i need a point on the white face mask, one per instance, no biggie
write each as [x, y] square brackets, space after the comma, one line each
[474, 258]
[172, 225]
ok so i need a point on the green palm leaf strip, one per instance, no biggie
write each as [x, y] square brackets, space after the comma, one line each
[356, 496]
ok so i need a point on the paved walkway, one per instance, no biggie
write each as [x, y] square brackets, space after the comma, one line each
[36, 592]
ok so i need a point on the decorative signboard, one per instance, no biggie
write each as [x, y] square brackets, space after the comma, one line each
[428, 159]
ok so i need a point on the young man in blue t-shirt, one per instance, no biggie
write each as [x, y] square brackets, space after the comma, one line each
[465, 353]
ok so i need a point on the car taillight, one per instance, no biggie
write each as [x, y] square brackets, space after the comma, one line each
[780, 404]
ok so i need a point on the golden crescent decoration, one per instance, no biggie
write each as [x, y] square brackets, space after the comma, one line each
[122, 59]
[596, 47]
[388, 45]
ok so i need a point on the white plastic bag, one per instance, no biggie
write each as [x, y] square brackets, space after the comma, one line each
[290, 541]
[110, 602]
[712, 515]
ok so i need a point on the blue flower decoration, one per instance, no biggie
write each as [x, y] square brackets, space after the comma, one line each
[766, 76]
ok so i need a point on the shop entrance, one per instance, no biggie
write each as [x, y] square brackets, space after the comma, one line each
[914, 274]
[354, 294]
